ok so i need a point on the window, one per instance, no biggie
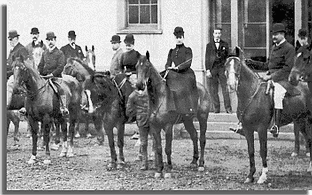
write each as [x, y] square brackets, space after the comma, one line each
[141, 16]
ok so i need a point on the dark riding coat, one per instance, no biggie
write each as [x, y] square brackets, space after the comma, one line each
[129, 60]
[52, 62]
[69, 52]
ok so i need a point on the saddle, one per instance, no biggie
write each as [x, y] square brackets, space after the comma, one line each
[183, 96]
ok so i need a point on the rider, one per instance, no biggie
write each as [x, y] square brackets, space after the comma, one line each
[17, 50]
[72, 49]
[180, 60]
[280, 62]
[138, 106]
[303, 39]
[51, 65]
[115, 67]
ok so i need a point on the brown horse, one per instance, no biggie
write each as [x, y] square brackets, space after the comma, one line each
[42, 105]
[255, 110]
[162, 118]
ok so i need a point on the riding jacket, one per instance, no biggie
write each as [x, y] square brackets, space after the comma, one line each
[138, 105]
[115, 67]
[52, 62]
[129, 60]
[69, 51]
[215, 57]
[181, 57]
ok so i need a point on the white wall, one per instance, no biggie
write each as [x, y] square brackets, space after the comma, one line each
[95, 21]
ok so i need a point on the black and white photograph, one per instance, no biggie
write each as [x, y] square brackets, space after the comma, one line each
[203, 96]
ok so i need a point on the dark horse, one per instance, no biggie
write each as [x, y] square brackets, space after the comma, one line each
[255, 110]
[42, 105]
[161, 118]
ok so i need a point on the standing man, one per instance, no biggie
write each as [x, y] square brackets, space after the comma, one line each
[17, 50]
[115, 67]
[216, 53]
[51, 65]
[71, 49]
[303, 39]
[35, 54]
[280, 63]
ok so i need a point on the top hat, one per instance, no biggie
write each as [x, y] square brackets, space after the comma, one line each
[71, 34]
[278, 27]
[13, 33]
[34, 31]
[50, 35]
[178, 31]
[129, 39]
[115, 39]
[302, 33]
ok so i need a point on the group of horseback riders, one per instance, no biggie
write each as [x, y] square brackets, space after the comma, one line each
[179, 60]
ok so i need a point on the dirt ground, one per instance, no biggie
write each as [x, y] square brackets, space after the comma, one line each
[226, 167]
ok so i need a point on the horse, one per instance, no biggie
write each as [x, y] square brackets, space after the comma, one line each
[162, 118]
[255, 110]
[43, 105]
[90, 57]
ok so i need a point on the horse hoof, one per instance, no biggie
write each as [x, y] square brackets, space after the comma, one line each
[248, 180]
[47, 162]
[167, 176]
[32, 160]
[63, 154]
[111, 166]
[308, 154]
[193, 165]
[294, 154]
[261, 180]
[201, 169]
[77, 135]
[70, 154]
[157, 175]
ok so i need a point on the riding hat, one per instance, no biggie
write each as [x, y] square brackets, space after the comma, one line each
[178, 31]
[302, 33]
[34, 31]
[13, 33]
[278, 27]
[129, 39]
[71, 34]
[115, 39]
[50, 35]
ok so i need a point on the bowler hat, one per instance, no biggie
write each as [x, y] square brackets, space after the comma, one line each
[115, 39]
[13, 33]
[178, 31]
[50, 35]
[278, 27]
[302, 33]
[71, 34]
[34, 31]
[129, 39]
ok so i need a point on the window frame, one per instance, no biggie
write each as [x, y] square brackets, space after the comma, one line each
[124, 27]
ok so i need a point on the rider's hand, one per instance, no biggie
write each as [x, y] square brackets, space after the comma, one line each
[172, 68]
[48, 76]
[267, 77]
[208, 74]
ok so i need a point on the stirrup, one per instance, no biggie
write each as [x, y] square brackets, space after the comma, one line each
[274, 130]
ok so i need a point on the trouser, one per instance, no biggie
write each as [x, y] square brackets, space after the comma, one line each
[279, 94]
[144, 131]
[213, 84]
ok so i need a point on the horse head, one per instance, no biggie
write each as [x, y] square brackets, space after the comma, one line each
[302, 65]
[144, 68]
[90, 57]
[233, 68]
[76, 68]
[19, 71]
[100, 92]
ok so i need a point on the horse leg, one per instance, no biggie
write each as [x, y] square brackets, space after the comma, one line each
[63, 125]
[249, 135]
[55, 145]
[46, 137]
[72, 122]
[98, 124]
[168, 150]
[202, 140]
[189, 126]
[120, 144]
[110, 136]
[159, 164]
[34, 134]
[262, 132]
[16, 122]
[297, 144]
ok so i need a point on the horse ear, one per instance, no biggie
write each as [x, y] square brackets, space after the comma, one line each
[147, 55]
[92, 47]
[239, 53]
[86, 48]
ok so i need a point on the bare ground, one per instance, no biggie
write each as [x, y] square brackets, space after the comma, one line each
[226, 167]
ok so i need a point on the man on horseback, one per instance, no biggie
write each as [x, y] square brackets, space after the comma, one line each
[280, 63]
[115, 67]
[303, 39]
[180, 60]
[51, 65]
[72, 49]
[35, 43]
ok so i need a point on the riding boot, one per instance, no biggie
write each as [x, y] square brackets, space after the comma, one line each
[63, 108]
[277, 120]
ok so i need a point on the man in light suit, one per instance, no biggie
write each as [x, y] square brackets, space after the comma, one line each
[216, 54]
[115, 67]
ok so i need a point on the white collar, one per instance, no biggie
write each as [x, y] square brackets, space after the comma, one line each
[282, 41]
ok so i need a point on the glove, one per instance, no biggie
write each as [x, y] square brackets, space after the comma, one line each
[173, 68]
[48, 76]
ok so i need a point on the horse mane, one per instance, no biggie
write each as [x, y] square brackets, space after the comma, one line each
[71, 61]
